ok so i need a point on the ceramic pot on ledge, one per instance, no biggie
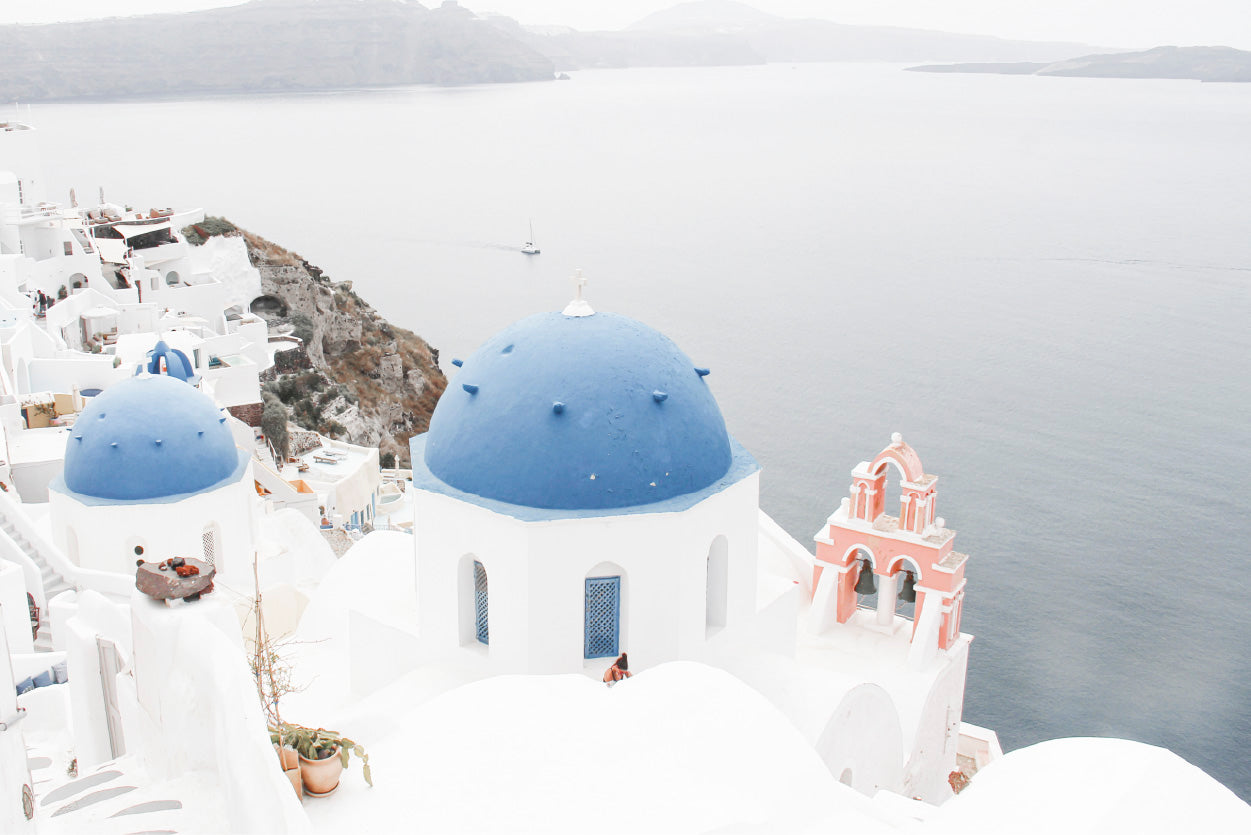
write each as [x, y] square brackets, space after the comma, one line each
[321, 777]
[290, 760]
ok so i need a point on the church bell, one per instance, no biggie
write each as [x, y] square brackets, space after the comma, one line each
[865, 584]
[908, 591]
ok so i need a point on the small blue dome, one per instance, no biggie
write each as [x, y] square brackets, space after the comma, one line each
[163, 359]
[148, 438]
[578, 413]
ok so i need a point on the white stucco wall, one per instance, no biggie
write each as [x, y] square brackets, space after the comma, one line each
[104, 537]
[537, 570]
[63, 374]
[14, 610]
[937, 738]
[862, 744]
[227, 259]
[14, 771]
[195, 710]
[94, 617]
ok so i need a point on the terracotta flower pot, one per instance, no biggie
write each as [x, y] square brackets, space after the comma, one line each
[290, 760]
[321, 777]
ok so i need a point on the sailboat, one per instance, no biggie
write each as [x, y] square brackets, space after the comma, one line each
[531, 248]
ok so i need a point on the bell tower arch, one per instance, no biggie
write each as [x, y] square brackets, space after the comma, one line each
[913, 556]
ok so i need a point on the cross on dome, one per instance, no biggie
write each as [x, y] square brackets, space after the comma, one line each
[579, 306]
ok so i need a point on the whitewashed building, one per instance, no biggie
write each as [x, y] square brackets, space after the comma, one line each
[578, 496]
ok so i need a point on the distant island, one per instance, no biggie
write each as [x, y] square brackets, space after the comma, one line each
[1198, 63]
[726, 32]
[262, 46]
[296, 45]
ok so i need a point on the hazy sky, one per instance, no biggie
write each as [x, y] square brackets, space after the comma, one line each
[1127, 23]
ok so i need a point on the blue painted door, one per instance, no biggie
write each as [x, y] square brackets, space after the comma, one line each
[603, 617]
[480, 603]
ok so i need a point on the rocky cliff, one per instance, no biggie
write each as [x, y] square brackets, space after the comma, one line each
[356, 377]
[264, 45]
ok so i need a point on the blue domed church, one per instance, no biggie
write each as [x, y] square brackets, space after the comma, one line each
[152, 471]
[578, 495]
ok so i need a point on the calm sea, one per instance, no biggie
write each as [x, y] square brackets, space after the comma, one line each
[1043, 283]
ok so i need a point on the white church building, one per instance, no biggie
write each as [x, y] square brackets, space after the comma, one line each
[578, 495]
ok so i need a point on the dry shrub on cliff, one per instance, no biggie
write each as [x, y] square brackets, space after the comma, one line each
[267, 252]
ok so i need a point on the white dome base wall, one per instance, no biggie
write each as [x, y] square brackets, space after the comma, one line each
[537, 571]
[103, 536]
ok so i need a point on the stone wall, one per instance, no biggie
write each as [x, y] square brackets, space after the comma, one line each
[249, 413]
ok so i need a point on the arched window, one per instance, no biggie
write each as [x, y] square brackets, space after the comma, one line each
[907, 576]
[172, 278]
[208, 540]
[473, 611]
[481, 604]
[718, 584]
[866, 582]
[71, 545]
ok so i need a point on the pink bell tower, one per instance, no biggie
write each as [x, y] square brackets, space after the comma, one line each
[914, 547]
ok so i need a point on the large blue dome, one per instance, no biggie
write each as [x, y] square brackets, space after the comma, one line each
[578, 413]
[148, 438]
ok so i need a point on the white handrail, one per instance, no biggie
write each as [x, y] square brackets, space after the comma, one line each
[13, 552]
[46, 550]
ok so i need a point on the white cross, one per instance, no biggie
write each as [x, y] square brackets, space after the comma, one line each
[579, 306]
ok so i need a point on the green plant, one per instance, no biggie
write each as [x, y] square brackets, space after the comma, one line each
[319, 744]
[274, 425]
[387, 460]
[274, 680]
[301, 327]
[198, 233]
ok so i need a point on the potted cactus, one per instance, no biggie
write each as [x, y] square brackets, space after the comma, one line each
[323, 755]
[312, 758]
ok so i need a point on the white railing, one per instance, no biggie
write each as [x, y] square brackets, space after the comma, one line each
[105, 582]
[31, 572]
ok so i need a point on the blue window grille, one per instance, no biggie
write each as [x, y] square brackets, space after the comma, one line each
[480, 602]
[603, 617]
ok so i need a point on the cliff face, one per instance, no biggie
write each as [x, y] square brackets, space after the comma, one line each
[358, 377]
[265, 45]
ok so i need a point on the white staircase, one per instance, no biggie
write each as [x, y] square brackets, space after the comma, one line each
[54, 582]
